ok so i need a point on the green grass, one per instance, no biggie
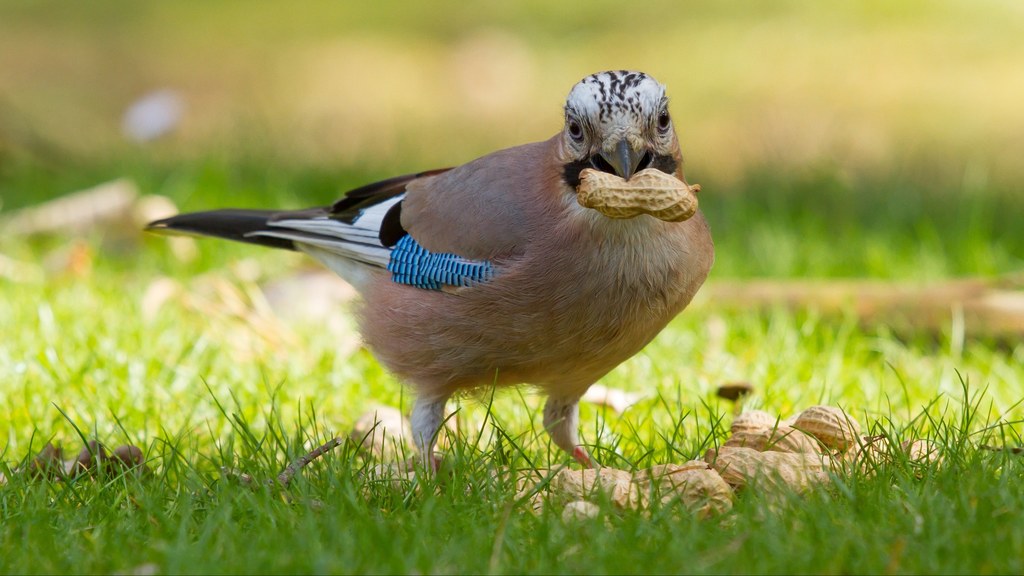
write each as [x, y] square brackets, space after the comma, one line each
[199, 391]
[962, 517]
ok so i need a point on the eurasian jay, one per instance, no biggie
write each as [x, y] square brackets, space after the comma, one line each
[492, 273]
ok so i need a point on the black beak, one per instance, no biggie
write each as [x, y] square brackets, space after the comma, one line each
[624, 159]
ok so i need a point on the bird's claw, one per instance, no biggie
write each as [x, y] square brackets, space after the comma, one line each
[581, 455]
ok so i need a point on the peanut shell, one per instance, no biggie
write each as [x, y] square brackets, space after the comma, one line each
[580, 510]
[874, 450]
[649, 191]
[581, 484]
[781, 439]
[831, 426]
[753, 420]
[923, 451]
[695, 484]
[865, 454]
[743, 466]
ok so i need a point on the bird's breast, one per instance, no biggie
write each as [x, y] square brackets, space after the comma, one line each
[598, 292]
[580, 299]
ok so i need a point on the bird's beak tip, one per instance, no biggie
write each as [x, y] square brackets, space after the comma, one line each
[623, 159]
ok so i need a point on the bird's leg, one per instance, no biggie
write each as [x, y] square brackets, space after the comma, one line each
[561, 420]
[427, 416]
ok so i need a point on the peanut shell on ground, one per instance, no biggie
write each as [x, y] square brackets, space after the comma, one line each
[616, 485]
[695, 484]
[780, 439]
[752, 420]
[741, 467]
[830, 425]
[580, 510]
[922, 451]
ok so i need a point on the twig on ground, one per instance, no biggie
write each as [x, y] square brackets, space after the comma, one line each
[985, 307]
[301, 462]
[237, 475]
[1010, 449]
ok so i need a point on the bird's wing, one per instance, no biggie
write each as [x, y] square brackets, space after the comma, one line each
[362, 226]
[437, 227]
[487, 208]
[431, 229]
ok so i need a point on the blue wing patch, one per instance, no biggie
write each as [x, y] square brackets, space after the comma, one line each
[415, 265]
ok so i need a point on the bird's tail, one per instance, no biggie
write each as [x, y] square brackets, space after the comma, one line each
[340, 245]
[232, 224]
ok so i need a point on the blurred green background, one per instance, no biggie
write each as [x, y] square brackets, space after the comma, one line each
[857, 139]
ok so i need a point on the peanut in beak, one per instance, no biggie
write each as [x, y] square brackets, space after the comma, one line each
[649, 191]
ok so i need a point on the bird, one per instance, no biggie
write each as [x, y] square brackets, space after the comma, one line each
[492, 274]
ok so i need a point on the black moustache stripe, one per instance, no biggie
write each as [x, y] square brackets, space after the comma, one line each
[571, 171]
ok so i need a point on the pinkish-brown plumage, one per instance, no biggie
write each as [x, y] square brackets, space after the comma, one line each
[573, 293]
[577, 294]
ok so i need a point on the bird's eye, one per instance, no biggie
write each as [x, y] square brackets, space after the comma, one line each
[663, 122]
[575, 131]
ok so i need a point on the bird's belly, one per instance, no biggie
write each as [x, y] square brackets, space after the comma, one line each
[587, 332]
[555, 327]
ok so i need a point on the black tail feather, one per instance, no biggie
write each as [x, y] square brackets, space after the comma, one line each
[232, 224]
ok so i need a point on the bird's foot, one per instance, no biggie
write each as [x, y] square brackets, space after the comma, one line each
[581, 455]
[430, 464]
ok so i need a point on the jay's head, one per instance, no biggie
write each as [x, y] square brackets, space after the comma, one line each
[618, 122]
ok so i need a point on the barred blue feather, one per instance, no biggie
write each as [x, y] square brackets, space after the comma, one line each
[415, 265]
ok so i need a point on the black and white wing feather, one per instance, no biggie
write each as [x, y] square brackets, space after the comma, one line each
[357, 234]
[357, 240]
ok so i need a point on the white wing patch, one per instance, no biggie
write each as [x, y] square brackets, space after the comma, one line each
[359, 241]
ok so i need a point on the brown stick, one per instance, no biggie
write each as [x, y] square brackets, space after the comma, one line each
[302, 461]
[1011, 449]
[976, 306]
